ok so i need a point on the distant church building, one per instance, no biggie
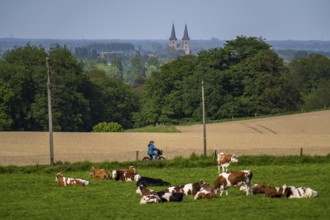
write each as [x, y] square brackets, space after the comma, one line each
[173, 41]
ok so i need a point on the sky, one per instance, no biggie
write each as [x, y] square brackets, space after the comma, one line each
[153, 19]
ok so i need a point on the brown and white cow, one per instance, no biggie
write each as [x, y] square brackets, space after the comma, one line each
[234, 178]
[68, 181]
[99, 174]
[149, 196]
[124, 174]
[143, 190]
[224, 161]
[276, 192]
[175, 189]
[206, 192]
[256, 188]
[193, 188]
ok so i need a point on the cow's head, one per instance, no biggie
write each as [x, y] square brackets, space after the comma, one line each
[92, 171]
[234, 158]
[137, 177]
[114, 174]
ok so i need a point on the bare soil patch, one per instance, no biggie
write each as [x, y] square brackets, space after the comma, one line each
[282, 135]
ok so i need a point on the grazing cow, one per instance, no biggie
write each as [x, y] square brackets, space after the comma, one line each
[301, 192]
[147, 181]
[224, 161]
[193, 188]
[124, 174]
[234, 178]
[68, 181]
[99, 174]
[206, 192]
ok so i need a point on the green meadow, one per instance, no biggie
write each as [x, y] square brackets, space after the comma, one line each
[32, 193]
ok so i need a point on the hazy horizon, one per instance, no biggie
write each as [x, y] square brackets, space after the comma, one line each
[301, 20]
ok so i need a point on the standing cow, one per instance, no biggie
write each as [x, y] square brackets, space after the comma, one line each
[234, 178]
[224, 161]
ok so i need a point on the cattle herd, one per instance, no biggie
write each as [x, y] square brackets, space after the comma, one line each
[199, 189]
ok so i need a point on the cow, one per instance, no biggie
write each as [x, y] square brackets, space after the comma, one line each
[124, 174]
[224, 160]
[206, 192]
[301, 192]
[193, 188]
[175, 189]
[147, 181]
[171, 197]
[99, 174]
[149, 196]
[142, 190]
[234, 178]
[275, 192]
[256, 188]
[68, 181]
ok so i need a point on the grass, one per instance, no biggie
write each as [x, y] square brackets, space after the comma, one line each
[31, 192]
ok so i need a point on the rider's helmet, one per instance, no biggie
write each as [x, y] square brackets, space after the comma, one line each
[151, 142]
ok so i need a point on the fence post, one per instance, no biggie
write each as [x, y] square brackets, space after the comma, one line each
[137, 155]
[301, 151]
[215, 154]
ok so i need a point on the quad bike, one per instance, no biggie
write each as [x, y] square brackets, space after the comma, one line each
[159, 156]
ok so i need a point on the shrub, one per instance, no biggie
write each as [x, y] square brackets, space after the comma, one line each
[108, 127]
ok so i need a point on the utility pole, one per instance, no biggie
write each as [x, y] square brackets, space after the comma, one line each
[50, 116]
[204, 127]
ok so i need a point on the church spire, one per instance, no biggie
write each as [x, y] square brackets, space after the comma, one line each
[173, 41]
[173, 37]
[185, 34]
[186, 41]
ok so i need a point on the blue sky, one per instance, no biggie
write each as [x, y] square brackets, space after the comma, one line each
[152, 19]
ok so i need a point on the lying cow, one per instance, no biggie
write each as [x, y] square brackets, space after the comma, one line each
[193, 188]
[99, 174]
[224, 161]
[147, 181]
[206, 192]
[143, 190]
[149, 196]
[124, 174]
[256, 188]
[68, 181]
[234, 178]
[301, 192]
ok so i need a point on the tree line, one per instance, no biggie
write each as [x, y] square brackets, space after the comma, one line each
[243, 78]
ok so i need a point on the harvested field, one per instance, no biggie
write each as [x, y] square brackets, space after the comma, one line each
[281, 135]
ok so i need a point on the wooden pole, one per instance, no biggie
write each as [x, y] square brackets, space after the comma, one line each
[50, 116]
[204, 127]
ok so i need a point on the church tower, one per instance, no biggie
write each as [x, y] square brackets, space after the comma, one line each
[173, 41]
[186, 41]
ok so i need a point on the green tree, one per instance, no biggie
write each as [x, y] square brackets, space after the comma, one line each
[23, 70]
[110, 99]
[6, 95]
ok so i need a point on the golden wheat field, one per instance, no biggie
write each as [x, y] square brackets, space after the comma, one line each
[281, 135]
